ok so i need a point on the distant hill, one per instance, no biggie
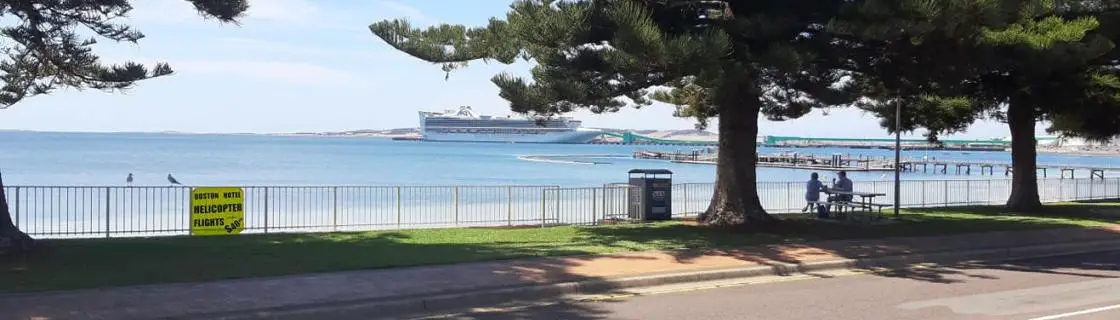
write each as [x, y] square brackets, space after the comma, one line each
[366, 132]
[689, 134]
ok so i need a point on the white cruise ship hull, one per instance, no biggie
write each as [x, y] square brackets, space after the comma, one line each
[574, 136]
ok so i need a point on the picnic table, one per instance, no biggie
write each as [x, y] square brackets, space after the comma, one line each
[865, 203]
[865, 197]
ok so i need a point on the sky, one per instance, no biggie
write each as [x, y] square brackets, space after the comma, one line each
[313, 66]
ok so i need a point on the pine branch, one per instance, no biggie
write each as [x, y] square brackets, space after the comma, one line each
[46, 54]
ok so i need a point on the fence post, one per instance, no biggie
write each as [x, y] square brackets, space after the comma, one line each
[1076, 189]
[334, 208]
[509, 205]
[398, 208]
[684, 208]
[606, 194]
[16, 206]
[595, 208]
[923, 193]
[1117, 188]
[190, 232]
[265, 209]
[789, 195]
[967, 192]
[946, 183]
[1091, 182]
[455, 192]
[107, 214]
[1061, 190]
[989, 193]
[544, 205]
[642, 200]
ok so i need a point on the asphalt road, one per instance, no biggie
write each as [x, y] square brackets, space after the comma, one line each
[1075, 287]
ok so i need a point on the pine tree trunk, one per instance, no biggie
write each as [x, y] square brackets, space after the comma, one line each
[12, 240]
[735, 200]
[1024, 160]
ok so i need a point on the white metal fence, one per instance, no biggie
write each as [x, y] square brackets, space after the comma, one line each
[788, 197]
[84, 212]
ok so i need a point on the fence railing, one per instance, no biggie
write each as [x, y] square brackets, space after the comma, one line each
[86, 212]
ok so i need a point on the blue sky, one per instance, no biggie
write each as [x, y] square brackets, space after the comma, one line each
[312, 65]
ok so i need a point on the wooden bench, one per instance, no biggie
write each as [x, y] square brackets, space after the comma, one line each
[862, 211]
[878, 208]
[849, 205]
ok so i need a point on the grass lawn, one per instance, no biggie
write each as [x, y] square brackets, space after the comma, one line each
[75, 264]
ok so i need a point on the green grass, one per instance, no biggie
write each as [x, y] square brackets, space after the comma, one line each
[75, 264]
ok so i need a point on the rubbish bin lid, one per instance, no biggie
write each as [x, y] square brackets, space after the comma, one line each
[650, 171]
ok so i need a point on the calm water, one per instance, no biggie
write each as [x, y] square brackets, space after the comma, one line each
[105, 159]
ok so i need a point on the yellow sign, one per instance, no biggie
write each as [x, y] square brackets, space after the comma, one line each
[217, 211]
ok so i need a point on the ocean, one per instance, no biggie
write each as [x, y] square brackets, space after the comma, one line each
[73, 184]
[105, 159]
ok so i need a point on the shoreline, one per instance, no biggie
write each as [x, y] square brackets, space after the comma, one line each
[1082, 152]
[407, 135]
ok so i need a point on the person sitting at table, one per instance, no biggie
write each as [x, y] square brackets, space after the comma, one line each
[843, 184]
[813, 189]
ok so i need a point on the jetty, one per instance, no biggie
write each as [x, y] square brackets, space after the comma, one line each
[887, 144]
[676, 156]
[835, 162]
[920, 147]
[838, 162]
[989, 168]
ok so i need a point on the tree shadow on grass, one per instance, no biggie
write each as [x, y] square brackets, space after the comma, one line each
[415, 262]
[798, 240]
[1103, 211]
[275, 271]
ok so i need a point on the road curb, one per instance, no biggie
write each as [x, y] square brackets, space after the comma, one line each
[396, 307]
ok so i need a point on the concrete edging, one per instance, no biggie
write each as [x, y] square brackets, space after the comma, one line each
[445, 302]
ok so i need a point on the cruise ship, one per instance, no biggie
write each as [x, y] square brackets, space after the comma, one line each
[464, 125]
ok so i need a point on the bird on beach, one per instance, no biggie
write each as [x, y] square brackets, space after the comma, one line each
[129, 179]
[172, 180]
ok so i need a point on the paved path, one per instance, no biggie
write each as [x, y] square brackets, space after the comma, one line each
[1079, 287]
[177, 300]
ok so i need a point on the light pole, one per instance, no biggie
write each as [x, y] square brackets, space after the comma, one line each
[897, 156]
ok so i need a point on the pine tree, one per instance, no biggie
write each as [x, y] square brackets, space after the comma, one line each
[919, 55]
[1019, 62]
[729, 60]
[44, 52]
